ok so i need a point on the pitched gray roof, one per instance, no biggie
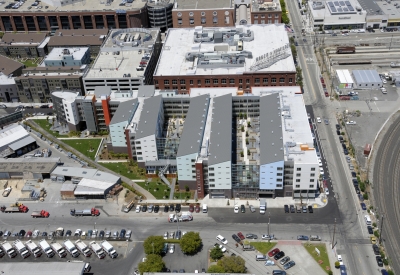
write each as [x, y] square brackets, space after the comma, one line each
[124, 111]
[102, 90]
[22, 143]
[23, 37]
[149, 117]
[81, 32]
[34, 165]
[221, 130]
[271, 140]
[194, 126]
[9, 66]
[366, 76]
[146, 90]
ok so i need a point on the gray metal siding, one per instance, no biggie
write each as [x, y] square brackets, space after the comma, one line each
[88, 111]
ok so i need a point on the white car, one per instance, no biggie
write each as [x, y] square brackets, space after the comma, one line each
[319, 162]
[326, 191]
[171, 248]
[165, 235]
[321, 171]
[319, 119]
[236, 209]
[35, 233]
[383, 90]
[78, 232]
[138, 208]
[384, 81]
[340, 260]
[351, 122]
[223, 248]
[222, 239]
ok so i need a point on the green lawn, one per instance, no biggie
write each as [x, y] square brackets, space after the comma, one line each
[322, 259]
[84, 145]
[43, 123]
[29, 63]
[123, 169]
[263, 247]
[157, 190]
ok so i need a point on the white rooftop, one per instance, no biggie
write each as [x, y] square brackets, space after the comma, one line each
[11, 134]
[179, 42]
[59, 53]
[5, 80]
[92, 187]
[344, 76]
[67, 96]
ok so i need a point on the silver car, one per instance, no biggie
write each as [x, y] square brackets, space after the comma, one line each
[284, 260]
[252, 209]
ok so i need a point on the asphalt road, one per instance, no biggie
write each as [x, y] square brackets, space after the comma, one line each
[386, 178]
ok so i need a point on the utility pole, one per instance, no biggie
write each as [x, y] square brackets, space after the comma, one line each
[380, 230]
[334, 231]
[269, 221]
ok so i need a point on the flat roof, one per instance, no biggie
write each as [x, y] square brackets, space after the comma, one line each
[267, 6]
[43, 268]
[88, 5]
[59, 53]
[146, 91]
[5, 79]
[9, 66]
[390, 9]
[124, 110]
[34, 165]
[87, 173]
[193, 128]
[180, 42]
[92, 187]
[271, 142]
[21, 143]
[344, 76]
[65, 41]
[11, 134]
[221, 130]
[80, 32]
[23, 38]
[119, 59]
[202, 4]
[366, 76]
[149, 117]
[68, 96]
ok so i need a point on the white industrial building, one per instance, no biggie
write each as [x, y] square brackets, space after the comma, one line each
[367, 79]
[15, 141]
[86, 182]
[345, 81]
[44, 268]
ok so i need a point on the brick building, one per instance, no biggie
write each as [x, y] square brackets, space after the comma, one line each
[266, 12]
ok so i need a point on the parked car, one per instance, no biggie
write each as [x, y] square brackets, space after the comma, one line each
[289, 265]
[273, 252]
[319, 120]
[370, 230]
[310, 209]
[240, 235]
[236, 209]
[166, 208]
[178, 208]
[150, 208]
[28, 234]
[191, 208]
[251, 236]
[302, 238]
[242, 209]
[351, 122]
[268, 237]
[252, 209]
[279, 255]
[101, 234]
[178, 235]
[379, 261]
[284, 260]
[286, 208]
[171, 235]
[375, 247]
[156, 208]
[363, 206]
[292, 210]
[197, 208]
[144, 208]
[122, 233]
[171, 208]
[138, 208]
[21, 233]
[236, 238]
[171, 248]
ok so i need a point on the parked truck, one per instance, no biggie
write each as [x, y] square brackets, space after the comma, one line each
[14, 208]
[109, 249]
[85, 212]
[1, 252]
[263, 206]
[21, 248]
[129, 206]
[185, 216]
[8, 249]
[395, 64]
[82, 247]
[7, 191]
[70, 247]
[44, 245]
[59, 250]
[40, 214]
[33, 248]
[96, 248]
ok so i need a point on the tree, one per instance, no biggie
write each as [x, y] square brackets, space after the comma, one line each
[153, 243]
[187, 188]
[215, 269]
[191, 243]
[154, 263]
[233, 264]
[216, 253]
[365, 196]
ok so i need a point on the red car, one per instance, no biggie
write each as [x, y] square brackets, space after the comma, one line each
[197, 208]
[273, 252]
[191, 208]
[29, 234]
[326, 94]
[241, 236]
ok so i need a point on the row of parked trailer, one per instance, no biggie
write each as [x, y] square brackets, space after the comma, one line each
[75, 249]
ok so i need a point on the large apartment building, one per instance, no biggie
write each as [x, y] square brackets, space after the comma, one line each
[241, 56]
[21, 45]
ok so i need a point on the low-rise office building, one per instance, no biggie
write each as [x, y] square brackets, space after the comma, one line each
[15, 141]
[24, 45]
[8, 89]
[60, 57]
[265, 12]
[242, 57]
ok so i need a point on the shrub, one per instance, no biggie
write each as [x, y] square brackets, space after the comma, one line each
[374, 224]
[337, 264]
[365, 196]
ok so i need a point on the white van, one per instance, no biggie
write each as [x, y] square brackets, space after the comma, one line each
[205, 208]
[260, 257]
[367, 220]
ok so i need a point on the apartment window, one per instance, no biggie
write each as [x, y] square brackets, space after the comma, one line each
[312, 175]
[256, 16]
[313, 169]
[279, 168]
[255, 21]
[298, 169]
[174, 87]
[191, 82]
[269, 21]
[279, 174]
[137, 142]
[207, 81]
[215, 20]
[199, 82]
[247, 81]
[298, 180]
[215, 81]
[226, 19]
[263, 16]
[262, 21]
[211, 174]
[192, 160]
[277, 21]
[240, 87]
[290, 80]
[203, 20]
[211, 180]
[212, 185]
[240, 81]
[311, 180]
[298, 175]
[223, 81]
[276, 15]
[211, 168]
[191, 21]
[273, 80]
[166, 82]
[279, 180]
[269, 16]
[179, 21]
[174, 82]
[297, 185]
[279, 185]
[183, 87]
[265, 80]
[183, 82]
[311, 185]
[281, 80]
[231, 81]
[166, 87]
[257, 80]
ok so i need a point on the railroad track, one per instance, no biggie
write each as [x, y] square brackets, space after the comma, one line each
[386, 181]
